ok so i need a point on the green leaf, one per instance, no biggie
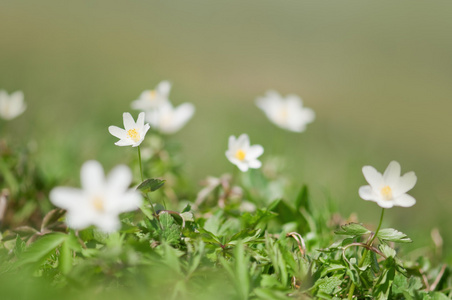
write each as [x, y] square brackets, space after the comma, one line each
[41, 249]
[65, 258]
[170, 232]
[302, 199]
[392, 235]
[387, 251]
[328, 284]
[352, 229]
[150, 185]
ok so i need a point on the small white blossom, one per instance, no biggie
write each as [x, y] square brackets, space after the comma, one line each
[287, 113]
[241, 154]
[389, 189]
[12, 105]
[168, 119]
[133, 133]
[100, 201]
[150, 99]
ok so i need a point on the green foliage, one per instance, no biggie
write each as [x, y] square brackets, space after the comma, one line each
[213, 247]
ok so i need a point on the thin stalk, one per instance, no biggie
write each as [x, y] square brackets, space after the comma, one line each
[363, 258]
[142, 179]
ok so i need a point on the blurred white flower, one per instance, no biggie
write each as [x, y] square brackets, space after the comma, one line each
[150, 99]
[241, 154]
[168, 119]
[12, 105]
[133, 133]
[287, 113]
[389, 189]
[100, 201]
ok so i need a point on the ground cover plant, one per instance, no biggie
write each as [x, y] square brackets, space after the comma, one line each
[132, 232]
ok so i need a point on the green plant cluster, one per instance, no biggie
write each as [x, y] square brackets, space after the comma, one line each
[213, 247]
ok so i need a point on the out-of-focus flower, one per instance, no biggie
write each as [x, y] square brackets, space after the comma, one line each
[168, 119]
[287, 113]
[12, 105]
[150, 99]
[241, 154]
[133, 133]
[101, 200]
[389, 189]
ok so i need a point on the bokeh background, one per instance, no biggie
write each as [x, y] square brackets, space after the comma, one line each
[378, 74]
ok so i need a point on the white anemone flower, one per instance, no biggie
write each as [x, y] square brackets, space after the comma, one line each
[12, 105]
[150, 99]
[133, 133]
[241, 154]
[100, 201]
[389, 189]
[287, 113]
[168, 119]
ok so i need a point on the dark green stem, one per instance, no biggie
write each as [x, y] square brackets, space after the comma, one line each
[363, 258]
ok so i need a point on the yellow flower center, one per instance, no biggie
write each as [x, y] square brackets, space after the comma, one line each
[98, 204]
[240, 154]
[386, 192]
[153, 95]
[283, 114]
[133, 134]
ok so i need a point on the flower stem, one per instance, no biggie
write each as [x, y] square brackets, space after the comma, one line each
[139, 162]
[363, 258]
[142, 179]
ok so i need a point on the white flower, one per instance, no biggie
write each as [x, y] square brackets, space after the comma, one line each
[168, 119]
[389, 189]
[241, 154]
[287, 113]
[133, 133]
[100, 201]
[12, 105]
[153, 99]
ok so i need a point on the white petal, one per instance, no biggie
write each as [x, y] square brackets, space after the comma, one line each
[232, 142]
[373, 177]
[92, 176]
[255, 164]
[385, 203]
[404, 200]
[130, 201]
[164, 88]
[308, 115]
[242, 166]
[243, 141]
[117, 132]
[367, 193]
[119, 179]
[140, 120]
[108, 223]
[80, 219]
[255, 151]
[128, 121]
[392, 174]
[406, 183]
[124, 142]
[65, 197]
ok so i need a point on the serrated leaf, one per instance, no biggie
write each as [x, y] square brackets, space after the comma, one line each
[328, 284]
[387, 251]
[354, 229]
[170, 232]
[150, 185]
[187, 216]
[392, 235]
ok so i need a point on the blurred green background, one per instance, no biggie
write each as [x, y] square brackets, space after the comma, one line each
[378, 74]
